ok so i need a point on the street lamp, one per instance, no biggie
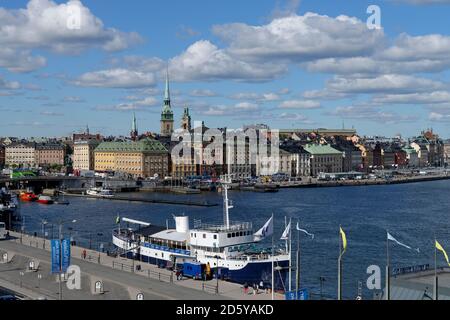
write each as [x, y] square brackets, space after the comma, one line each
[217, 275]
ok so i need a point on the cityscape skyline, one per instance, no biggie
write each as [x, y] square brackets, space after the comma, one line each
[230, 68]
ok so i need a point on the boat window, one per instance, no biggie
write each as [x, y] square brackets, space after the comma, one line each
[215, 236]
[204, 236]
[233, 234]
[229, 235]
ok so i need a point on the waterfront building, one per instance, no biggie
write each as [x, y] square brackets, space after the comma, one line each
[324, 159]
[412, 157]
[2, 155]
[352, 155]
[21, 154]
[288, 133]
[401, 159]
[388, 156]
[83, 154]
[48, 154]
[300, 159]
[167, 113]
[182, 166]
[422, 153]
[447, 152]
[141, 159]
[86, 135]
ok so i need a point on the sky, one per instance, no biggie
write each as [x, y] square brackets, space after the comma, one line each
[285, 63]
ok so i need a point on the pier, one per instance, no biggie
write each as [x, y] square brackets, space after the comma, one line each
[120, 277]
[159, 201]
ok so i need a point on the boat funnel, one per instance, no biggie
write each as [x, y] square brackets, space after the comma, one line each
[182, 224]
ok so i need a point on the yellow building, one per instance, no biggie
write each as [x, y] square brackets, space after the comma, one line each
[144, 158]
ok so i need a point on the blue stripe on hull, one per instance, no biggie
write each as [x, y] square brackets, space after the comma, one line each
[251, 274]
[254, 273]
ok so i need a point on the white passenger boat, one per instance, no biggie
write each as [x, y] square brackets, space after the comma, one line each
[229, 249]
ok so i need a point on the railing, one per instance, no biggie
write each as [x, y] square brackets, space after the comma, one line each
[210, 288]
[122, 266]
[234, 226]
[163, 277]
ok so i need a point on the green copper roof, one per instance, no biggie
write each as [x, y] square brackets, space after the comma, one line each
[145, 145]
[167, 113]
[320, 149]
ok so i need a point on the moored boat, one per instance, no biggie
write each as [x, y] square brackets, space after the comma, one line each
[228, 249]
[28, 196]
[45, 200]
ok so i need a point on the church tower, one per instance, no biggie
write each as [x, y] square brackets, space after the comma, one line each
[134, 132]
[167, 113]
[186, 120]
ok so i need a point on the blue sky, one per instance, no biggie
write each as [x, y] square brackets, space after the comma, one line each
[287, 63]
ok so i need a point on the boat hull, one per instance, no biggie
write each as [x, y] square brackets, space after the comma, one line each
[248, 272]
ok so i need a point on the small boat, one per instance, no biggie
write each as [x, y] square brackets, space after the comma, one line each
[100, 192]
[28, 196]
[45, 200]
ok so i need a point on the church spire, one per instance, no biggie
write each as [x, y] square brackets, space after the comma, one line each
[167, 90]
[134, 130]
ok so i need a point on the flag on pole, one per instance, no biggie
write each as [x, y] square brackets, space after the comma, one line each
[265, 231]
[344, 240]
[304, 231]
[286, 232]
[391, 238]
[440, 248]
[117, 219]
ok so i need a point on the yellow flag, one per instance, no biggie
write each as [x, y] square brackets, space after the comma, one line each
[440, 248]
[344, 240]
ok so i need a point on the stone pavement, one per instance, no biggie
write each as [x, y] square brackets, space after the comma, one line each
[97, 264]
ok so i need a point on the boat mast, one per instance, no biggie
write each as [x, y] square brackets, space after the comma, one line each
[226, 203]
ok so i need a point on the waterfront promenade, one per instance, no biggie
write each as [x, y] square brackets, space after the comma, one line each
[120, 279]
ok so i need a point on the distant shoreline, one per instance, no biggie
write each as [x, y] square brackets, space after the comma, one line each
[375, 182]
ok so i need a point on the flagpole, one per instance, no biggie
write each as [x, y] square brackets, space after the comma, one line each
[290, 254]
[388, 280]
[339, 268]
[436, 282]
[273, 272]
[297, 270]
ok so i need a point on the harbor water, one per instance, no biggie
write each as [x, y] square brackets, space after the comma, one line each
[413, 213]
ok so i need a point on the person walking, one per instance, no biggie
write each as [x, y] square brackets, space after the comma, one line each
[246, 288]
[84, 254]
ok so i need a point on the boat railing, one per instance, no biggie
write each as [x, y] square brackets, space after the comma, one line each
[234, 226]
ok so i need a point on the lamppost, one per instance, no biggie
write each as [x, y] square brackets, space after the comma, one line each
[322, 280]
[44, 223]
[217, 275]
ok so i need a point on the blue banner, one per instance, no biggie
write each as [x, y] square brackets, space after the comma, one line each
[65, 249]
[56, 256]
[292, 295]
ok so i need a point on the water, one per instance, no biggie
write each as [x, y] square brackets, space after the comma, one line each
[413, 213]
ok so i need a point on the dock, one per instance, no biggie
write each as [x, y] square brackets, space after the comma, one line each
[120, 278]
[155, 201]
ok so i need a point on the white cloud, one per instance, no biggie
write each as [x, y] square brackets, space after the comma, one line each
[9, 85]
[203, 93]
[384, 84]
[301, 38]
[203, 61]
[414, 98]
[374, 114]
[43, 24]
[299, 104]
[259, 97]
[116, 78]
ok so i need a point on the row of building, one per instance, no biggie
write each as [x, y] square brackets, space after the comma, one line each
[301, 152]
